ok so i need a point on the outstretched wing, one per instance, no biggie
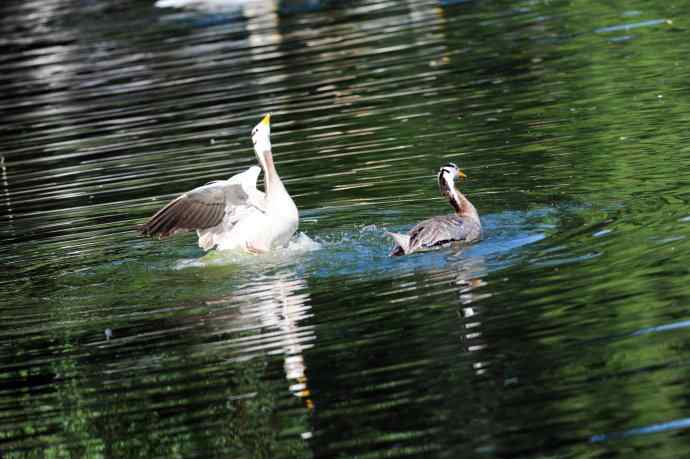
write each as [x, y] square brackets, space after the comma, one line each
[201, 208]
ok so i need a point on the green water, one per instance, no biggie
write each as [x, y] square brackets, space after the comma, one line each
[563, 334]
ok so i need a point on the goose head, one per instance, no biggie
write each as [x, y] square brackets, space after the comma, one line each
[446, 183]
[447, 174]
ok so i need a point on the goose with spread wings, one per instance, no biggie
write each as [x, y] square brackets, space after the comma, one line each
[463, 226]
[233, 214]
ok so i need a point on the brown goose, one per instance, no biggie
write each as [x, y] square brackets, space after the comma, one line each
[461, 227]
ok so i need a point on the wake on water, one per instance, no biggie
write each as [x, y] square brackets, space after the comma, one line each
[365, 248]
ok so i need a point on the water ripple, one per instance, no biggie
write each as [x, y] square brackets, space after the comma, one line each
[568, 119]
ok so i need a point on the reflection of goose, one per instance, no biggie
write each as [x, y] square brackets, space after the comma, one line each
[6, 191]
[212, 5]
[462, 226]
[267, 316]
[234, 214]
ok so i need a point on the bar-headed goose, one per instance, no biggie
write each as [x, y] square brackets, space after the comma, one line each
[461, 227]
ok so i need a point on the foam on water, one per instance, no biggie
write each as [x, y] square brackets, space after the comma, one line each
[299, 245]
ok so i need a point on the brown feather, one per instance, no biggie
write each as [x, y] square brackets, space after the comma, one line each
[201, 208]
[183, 214]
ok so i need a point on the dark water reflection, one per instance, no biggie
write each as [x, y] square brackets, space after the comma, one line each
[562, 334]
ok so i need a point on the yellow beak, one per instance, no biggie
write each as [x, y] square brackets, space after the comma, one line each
[266, 120]
[461, 174]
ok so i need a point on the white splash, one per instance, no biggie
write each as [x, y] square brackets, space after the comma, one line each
[298, 245]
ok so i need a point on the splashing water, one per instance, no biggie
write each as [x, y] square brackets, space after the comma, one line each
[365, 249]
[299, 245]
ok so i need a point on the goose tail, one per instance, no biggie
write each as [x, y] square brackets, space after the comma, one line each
[402, 242]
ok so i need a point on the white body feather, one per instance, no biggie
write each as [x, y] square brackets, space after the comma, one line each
[262, 224]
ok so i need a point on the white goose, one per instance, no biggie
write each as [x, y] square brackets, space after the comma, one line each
[234, 214]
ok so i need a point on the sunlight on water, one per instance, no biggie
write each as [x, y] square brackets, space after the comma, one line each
[569, 120]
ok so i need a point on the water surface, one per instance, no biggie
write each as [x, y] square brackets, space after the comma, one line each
[564, 333]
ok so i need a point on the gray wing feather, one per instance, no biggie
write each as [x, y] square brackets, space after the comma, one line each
[443, 230]
[201, 208]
